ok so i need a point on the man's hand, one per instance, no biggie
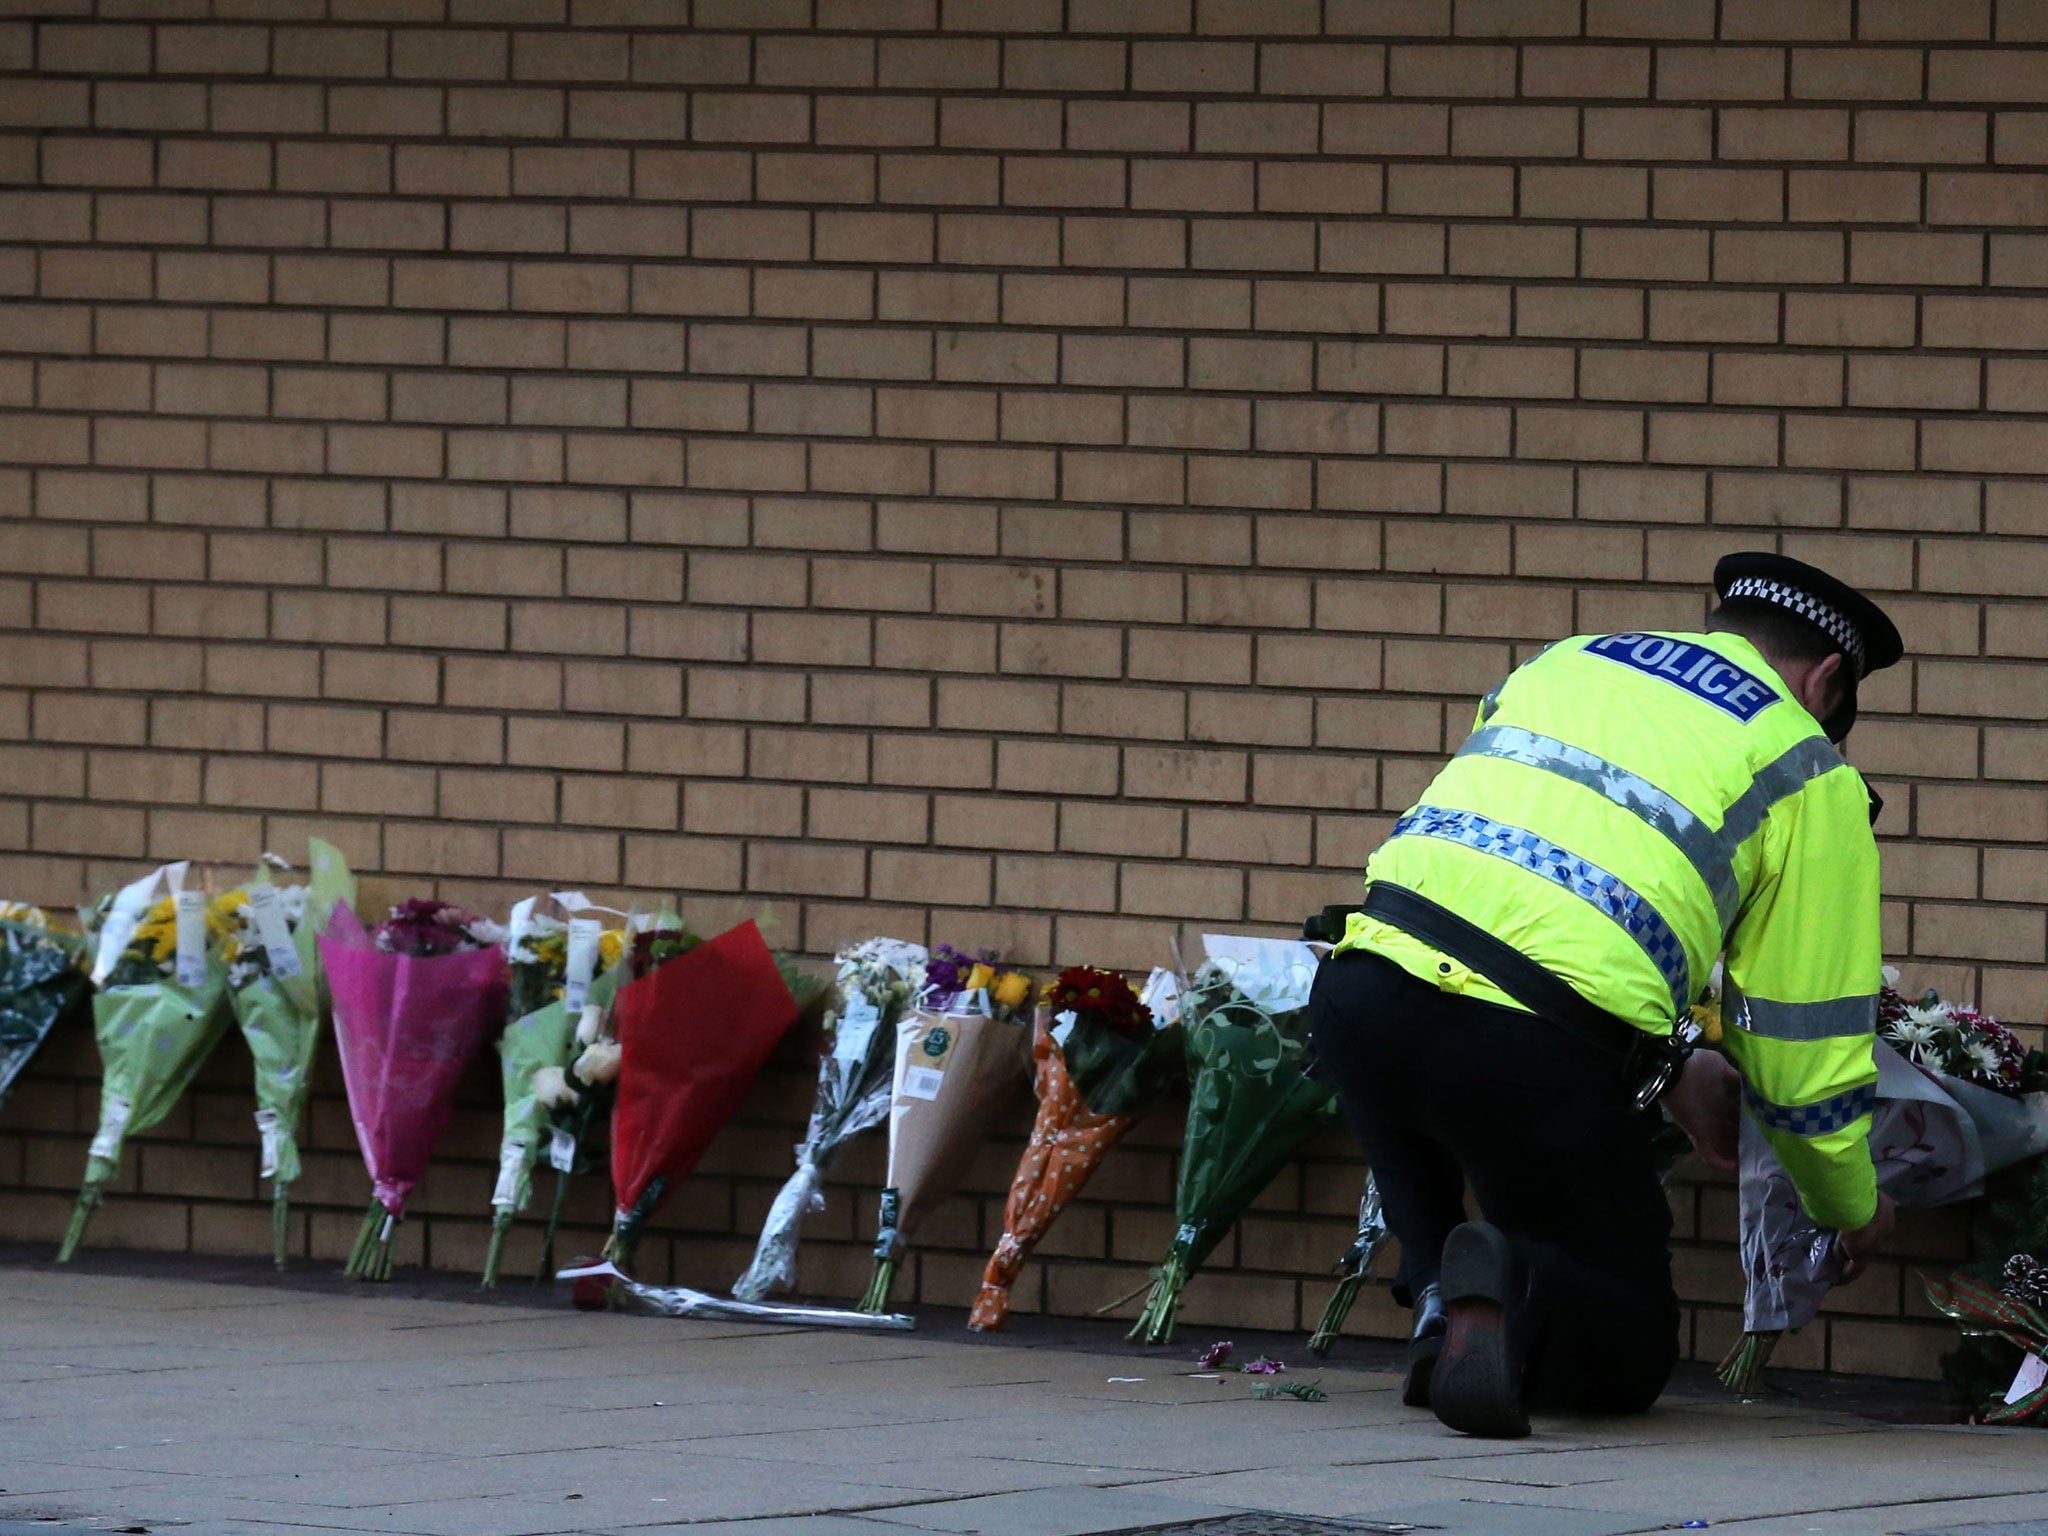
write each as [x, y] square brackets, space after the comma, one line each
[1858, 1248]
[1706, 1104]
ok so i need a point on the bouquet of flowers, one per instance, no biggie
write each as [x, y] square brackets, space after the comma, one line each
[695, 1022]
[274, 987]
[1372, 1236]
[413, 1002]
[961, 1055]
[1954, 1040]
[1251, 1101]
[157, 1016]
[554, 1052]
[1104, 1056]
[2014, 1313]
[1998, 1368]
[875, 982]
[598, 1284]
[42, 978]
[1934, 1136]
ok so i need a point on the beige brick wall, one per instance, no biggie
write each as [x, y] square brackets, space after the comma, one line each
[1051, 473]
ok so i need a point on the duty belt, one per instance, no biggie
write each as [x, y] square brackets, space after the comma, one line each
[1649, 1064]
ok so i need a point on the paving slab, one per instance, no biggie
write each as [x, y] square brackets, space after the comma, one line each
[1486, 1517]
[1052, 1512]
[227, 1406]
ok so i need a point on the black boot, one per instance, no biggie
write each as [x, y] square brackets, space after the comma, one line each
[1425, 1343]
[1476, 1386]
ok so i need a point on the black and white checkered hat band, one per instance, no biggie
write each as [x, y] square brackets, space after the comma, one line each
[1807, 606]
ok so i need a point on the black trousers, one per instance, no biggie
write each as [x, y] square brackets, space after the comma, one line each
[1441, 1089]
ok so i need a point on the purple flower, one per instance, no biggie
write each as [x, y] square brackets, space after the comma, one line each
[425, 928]
[948, 969]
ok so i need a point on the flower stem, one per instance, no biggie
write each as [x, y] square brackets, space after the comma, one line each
[623, 1246]
[370, 1259]
[879, 1285]
[1162, 1306]
[1331, 1325]
[81, 1213]
[547, 1241]
[1743, 1369]
[281, 1224]
[501, 1223]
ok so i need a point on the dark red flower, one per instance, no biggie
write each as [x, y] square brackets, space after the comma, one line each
[1105, 995]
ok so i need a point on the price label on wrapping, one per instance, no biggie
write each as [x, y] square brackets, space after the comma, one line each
[191, 910]
[922, 1083]
[511, 1159]
[274, 930]
[113, 1125]
[561, 1150]
[584, 933]
[266, 1132]
[858, 1021]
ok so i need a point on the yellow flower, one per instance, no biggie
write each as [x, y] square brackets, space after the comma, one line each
[224, 917]
[610, 945]
[1012, 989]
[1708, 1017]
[979, 977]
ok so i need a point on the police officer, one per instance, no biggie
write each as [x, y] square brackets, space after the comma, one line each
[1501, 1011]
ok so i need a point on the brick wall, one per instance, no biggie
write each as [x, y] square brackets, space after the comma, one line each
[1045, 474]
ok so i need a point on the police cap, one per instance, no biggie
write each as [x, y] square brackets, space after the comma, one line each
[1868, 640]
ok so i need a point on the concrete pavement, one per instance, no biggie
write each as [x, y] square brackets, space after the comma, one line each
[161, 1400]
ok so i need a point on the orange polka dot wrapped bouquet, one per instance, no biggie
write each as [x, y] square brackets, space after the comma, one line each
[1104, 1055]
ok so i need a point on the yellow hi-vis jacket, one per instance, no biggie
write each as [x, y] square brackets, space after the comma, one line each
[1628, 808]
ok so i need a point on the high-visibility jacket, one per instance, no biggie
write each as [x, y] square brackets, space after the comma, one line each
[1628, 808]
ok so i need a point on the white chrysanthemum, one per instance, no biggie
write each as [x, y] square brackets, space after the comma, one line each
[590, 1024]
[599, 1062]
[1978, 1055]
[551, 1087]
[1914, 1039]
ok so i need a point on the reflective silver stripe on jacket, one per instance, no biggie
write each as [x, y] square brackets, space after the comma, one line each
[1693, 838]
[1780, 779]
[1836, 1019]
[1710, 851]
